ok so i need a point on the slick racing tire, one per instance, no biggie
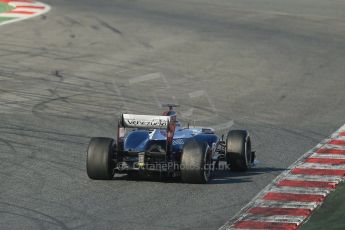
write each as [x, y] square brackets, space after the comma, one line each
[195, 163]
[238, 150]
[99, 161]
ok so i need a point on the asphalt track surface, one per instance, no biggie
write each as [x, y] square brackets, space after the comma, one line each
[275, 67]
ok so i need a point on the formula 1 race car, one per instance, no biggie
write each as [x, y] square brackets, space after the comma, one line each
[150, 144]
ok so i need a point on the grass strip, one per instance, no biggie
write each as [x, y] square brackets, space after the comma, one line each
[330, 215]
[5, 7]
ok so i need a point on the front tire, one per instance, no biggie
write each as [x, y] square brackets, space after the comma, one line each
[238, 150]
[195, 163]
[99, 162]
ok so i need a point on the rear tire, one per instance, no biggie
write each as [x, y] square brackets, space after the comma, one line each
[238, 150]
[195, 163]
[99, 162]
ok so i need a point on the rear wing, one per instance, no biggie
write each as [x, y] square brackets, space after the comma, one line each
[145, 121]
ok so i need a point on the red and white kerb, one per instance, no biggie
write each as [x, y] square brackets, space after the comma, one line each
[297, 192]
[23, 9]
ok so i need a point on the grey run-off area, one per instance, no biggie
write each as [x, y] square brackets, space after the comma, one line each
[274, 67]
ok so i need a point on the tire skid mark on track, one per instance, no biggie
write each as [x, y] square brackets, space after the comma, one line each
[32, 135]
[43, 100]
[63, 218]
[32, 130]
[47, 138]
[31, 212]
[39, 222]
[8, 143]
[291, 198]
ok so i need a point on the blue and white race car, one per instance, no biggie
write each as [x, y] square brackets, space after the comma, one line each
[150, 144]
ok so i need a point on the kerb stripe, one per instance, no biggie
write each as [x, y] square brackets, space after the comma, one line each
[307, 184]
[20, 12]
[30, 7]
[293, 197]
[264, 225]
[331, 151]
[337, 142]
[326, 161]
[331, 172]
[268, 211]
